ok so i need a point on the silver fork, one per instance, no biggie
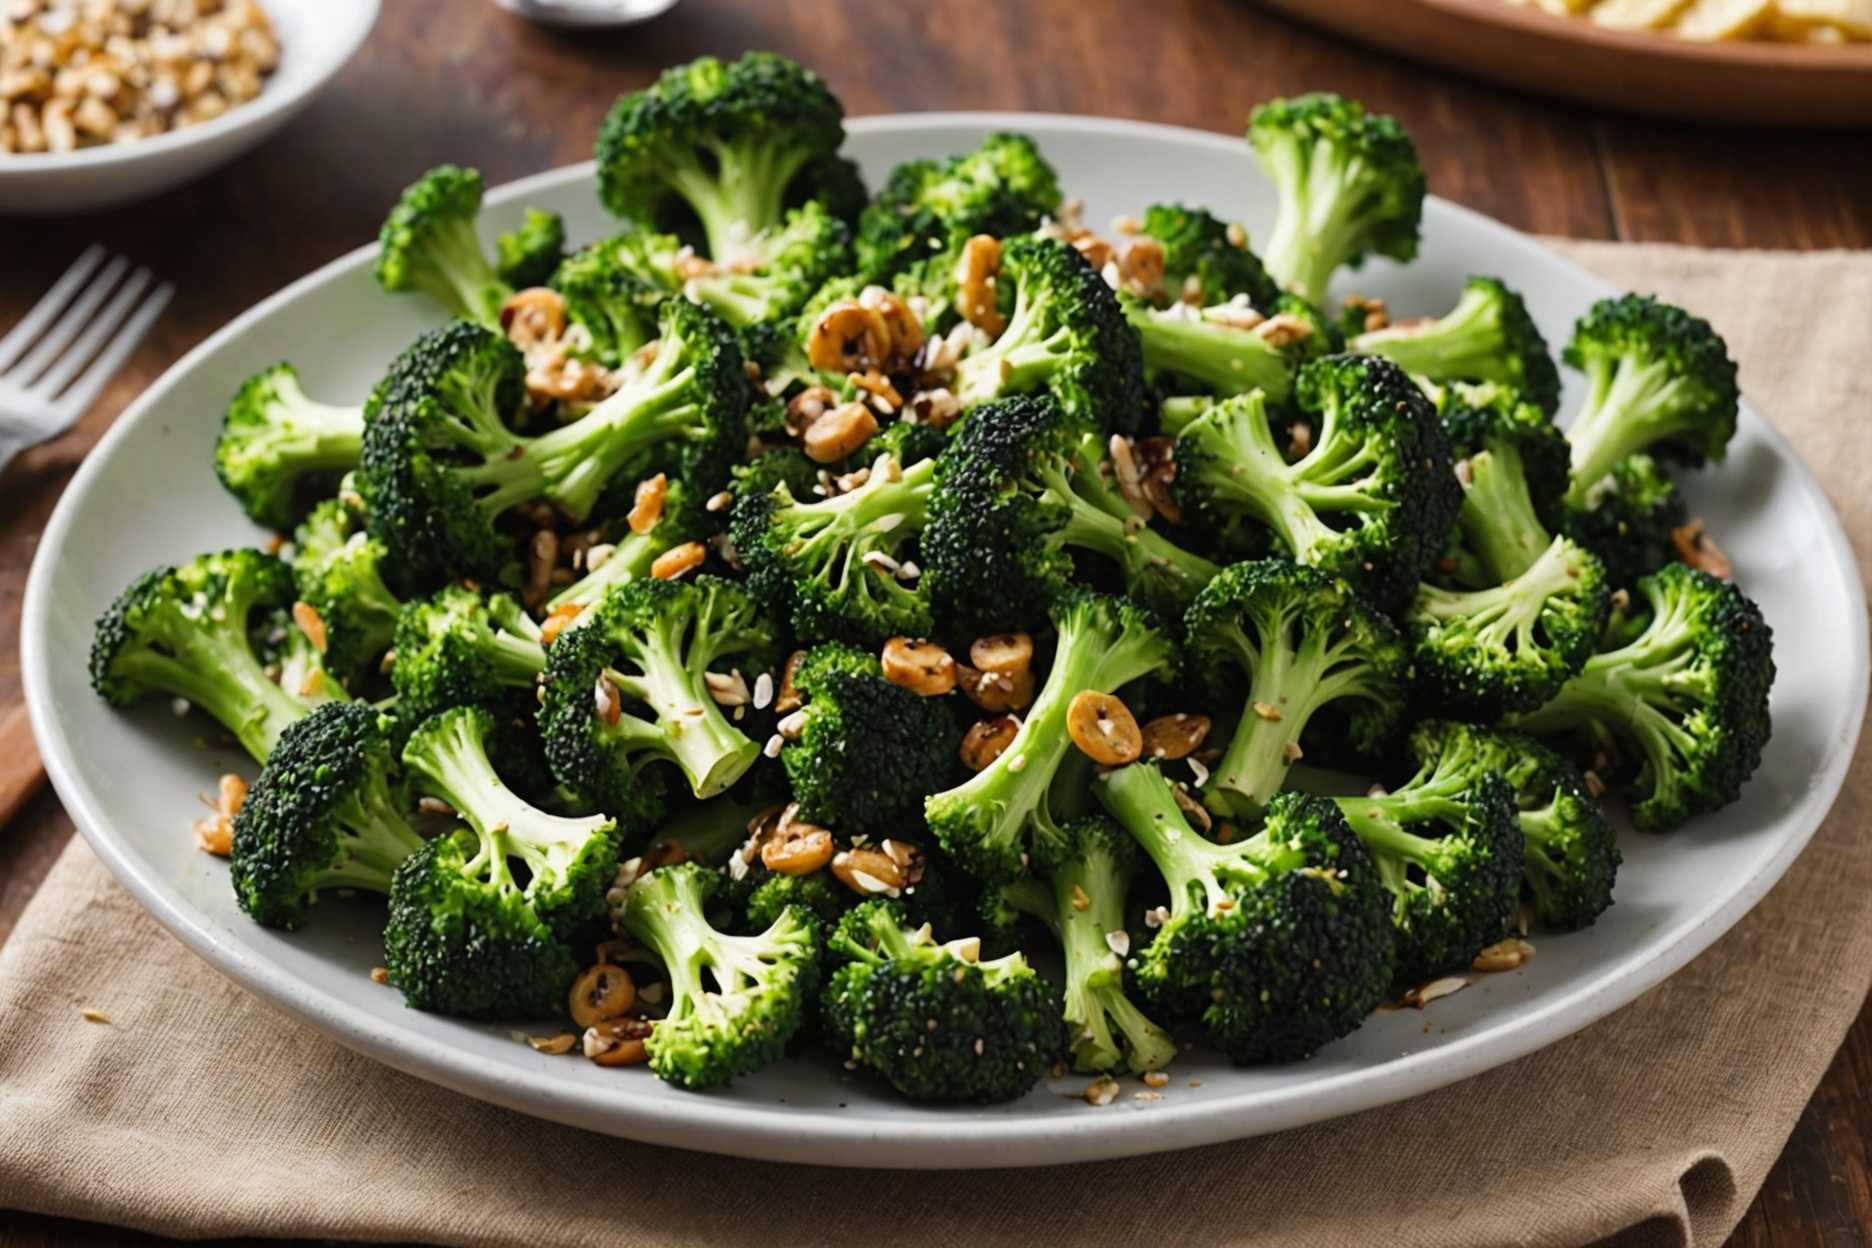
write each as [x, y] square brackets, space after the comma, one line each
[61, 354]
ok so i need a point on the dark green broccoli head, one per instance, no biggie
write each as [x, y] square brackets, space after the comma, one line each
[429, 243]
[773, 894]
[835, 183]
[1312, 661]
[933, 1020]
[1002, 188]
[1207, 260]
[1627, 517]
[1487, 336]
[276, 445]
[1350, 186]
[330, 810]
[1679, 696]
[717, 144]
[340, 571]
[629, 689]
[456, 648]
[1572, 854]
[529, 255]
[463, 939]
[610, 302]
[1066, 335]
[203, 631]
[1448, 846]
[1660, 381]
[735, 1001]
[870, 751]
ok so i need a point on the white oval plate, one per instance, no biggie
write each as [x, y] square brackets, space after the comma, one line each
[148, 495]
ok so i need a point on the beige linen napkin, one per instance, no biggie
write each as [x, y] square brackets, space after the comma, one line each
[199, 1111]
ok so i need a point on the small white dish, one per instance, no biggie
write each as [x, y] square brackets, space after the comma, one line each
[316, 38]
[587, 14]
[148, 495]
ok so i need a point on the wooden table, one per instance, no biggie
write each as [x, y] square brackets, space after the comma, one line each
[458, 80]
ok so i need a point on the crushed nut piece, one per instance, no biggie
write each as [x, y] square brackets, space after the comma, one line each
[1697, 548]
[1503, 955]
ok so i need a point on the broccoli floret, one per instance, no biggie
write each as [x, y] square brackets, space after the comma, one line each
[1207, 260]
[1021, 489]
[1660, 381]
[1535, 603]
[834, 182]
[442, 467]
[455, 648]
[277, 445]
[1349, 185]
[199, 632]
[609, 301]
[631, 556]
[735, 1001]
[530, 254]
[773, 894]
[1680, 694]
[933, 1020]
[1372, 497]
[782, 270]
[1487, 336]
[1224, 351]
[651, 644]
[1448, 847]
[429, 243]
[339, 570]
[1626, 518]
[330, 810]
[834, 566]
[1002, 817]
[1305, 644]
[869, 751]
[1083, 904]
[1002, 188]
[1571, 857]
[724, 141]
[1280, 942]
[1066, 335]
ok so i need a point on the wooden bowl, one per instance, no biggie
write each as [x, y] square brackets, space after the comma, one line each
[1752, 83]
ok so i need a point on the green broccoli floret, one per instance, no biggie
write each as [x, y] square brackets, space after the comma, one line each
[786, 265]
[933, 1020]
[1448, 847]
[330, 810]
[773, 894]
[1660, 381]
[1680, 695]
[836, 566]
[530, 254]
[1066, 335]
[1572, 857]
[455, 648]
[1020, 491]
[1002, 817]
[1370, 499]
[735, 1001]
[651, 644]
[201, 632]
[1002, 188]
[1083, 904]
[1487, 336]
[723, 141]
[1306, 645]
[276, 445]
[429, 243]
[339, 570]
[1224, 350]
[442, 466]
[1627, 517]
[834, 182]
[1207, 260]
[610, 303]
[1279, 942]
[1349, 185]
[1533, 614]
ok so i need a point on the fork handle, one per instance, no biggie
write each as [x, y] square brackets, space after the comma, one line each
[21, 772]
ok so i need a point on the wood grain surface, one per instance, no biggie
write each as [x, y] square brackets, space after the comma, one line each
[461, 80]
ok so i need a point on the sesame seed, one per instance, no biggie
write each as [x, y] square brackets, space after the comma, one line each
[772, 748]
[763, 690]
[179, 707]
[718, 501]
[1118, 941]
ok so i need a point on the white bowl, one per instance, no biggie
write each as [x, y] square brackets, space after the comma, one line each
[316, 38]
[148, 495]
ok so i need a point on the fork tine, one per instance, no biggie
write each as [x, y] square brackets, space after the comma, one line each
[48, 386]
[41, 356]
[21, 336]
[75, 400]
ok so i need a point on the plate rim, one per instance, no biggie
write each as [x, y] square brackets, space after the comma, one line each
[736, 1129]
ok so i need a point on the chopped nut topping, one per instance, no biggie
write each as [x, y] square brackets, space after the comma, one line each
[868, 872]
[554, 1045]
[1155, 1078]
[1265, 711]
[1080, 901]
[1101, 1091]
[647, 508]
[789, 698]
[922, 667]
[1697, 548]
[601, 991]
[380, 974]
[975, 284]
[839, 433]
[849, 337]
[1103, 728]
[215, 833]
[1503, 955]
[1424, 994]
[987, 740]
[677, 560]
[306, 616]
[1175, 736]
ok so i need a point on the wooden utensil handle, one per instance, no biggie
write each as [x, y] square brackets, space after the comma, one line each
[21, 772]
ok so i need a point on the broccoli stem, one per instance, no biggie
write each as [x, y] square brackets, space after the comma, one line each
[1221, 358]
[314, 436]
[1019, 360]
[1101, 521]
[1095, 995]
[377, 838]
[1139, 798]
[578, 460]
[214, 668]
[1632, 404]
[1465, 343]
[453, 270]
[1246, 470]
[742, 196]
[630, 559]
[1324, 209]
[516, 652]
[712, 753]
[1498, 518]
[1380, 823]
[1505, 617]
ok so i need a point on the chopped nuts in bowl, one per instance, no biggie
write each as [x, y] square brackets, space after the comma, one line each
[106, 101]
